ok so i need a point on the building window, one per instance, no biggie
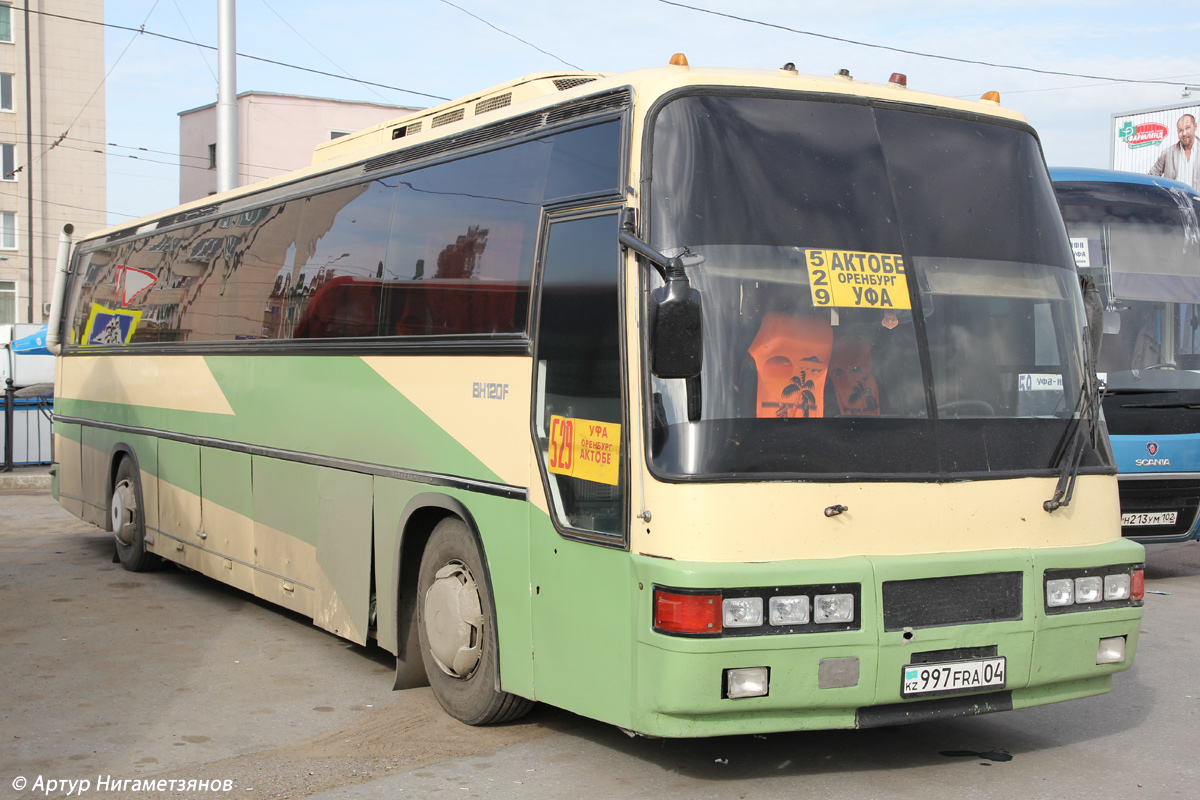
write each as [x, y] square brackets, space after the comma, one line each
[8, 302]
[5, 22]
[6, 89]
[212, 156]
[8, 162]
[8, 230]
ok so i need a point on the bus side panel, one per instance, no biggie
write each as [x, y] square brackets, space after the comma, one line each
[581, 624]
[285, 532]
[504, 530]
[179, 509]
[227, 508]
[391, 498]
[95, 459]
[68, 477]
[343, 574]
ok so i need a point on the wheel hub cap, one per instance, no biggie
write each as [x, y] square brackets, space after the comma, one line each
[454, 620]
[124, 508]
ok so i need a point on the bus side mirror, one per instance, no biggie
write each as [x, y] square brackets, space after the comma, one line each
[676, 333]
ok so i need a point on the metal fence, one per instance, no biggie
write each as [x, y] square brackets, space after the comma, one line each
[28, 425]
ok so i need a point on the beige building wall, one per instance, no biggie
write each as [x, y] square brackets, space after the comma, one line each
[66, 173]
[276, 134]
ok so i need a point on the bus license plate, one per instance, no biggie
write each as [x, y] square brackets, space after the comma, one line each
[1152, 518]
[953, 676]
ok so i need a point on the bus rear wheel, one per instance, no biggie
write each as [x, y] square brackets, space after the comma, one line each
[128, 521]
[456, 624]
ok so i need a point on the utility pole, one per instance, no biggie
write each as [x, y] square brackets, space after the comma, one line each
[227, 112]
[28, 178]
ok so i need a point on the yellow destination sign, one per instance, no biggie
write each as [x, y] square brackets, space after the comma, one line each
[585, 449]
[848, 279]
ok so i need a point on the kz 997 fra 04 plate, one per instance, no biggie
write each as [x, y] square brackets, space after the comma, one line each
[953, 676]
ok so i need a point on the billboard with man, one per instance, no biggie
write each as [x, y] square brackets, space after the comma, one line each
[1158, 141]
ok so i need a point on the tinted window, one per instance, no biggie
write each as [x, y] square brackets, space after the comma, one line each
[579, 375]
[441, 250]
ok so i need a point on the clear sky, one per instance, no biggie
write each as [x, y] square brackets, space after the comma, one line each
[448, 49]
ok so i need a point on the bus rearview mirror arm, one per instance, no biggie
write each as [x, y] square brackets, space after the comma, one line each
[676, 329]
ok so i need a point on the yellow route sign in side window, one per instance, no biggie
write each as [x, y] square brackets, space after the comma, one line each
[585, 449]
[848, 279]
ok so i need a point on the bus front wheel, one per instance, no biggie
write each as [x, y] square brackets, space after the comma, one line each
[457, 628]
[128, 521]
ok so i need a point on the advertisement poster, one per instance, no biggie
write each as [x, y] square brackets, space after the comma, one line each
[1158, 141]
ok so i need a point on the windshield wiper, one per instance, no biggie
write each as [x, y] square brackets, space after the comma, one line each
[1174, 404]
[1111, 392]
[1072, 443]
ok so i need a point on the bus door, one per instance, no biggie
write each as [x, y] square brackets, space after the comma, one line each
[579, 564]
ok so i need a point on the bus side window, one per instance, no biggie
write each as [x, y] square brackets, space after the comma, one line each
[579, 408]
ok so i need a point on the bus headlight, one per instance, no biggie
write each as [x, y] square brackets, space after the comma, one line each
[1060, 592]
[791, 610]
[833, 608]
[1111, 651]
[742, 612]
[1116, 587]
[1089, 589]
[746, 682]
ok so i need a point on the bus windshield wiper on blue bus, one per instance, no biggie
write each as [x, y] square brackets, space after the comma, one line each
[1175, 404]
[1109, 392]
[1072, 445]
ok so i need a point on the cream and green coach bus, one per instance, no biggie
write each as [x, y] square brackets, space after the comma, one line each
[695, 401]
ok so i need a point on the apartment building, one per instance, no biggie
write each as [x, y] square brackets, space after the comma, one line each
[52, 163]
[276, 134]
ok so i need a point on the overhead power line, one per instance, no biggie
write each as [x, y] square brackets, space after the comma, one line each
[142, 30]
[917, 52]
[510, 35]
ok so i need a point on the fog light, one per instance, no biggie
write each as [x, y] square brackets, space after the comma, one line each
[1111, 651]
[746, 682]
[1060, 592]
[1089, 589]
[1116, 587]
[742, 612]
[789, 610]
[833, 608]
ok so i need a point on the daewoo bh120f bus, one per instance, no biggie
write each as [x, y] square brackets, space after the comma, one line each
[1139, 237]
[695, 401]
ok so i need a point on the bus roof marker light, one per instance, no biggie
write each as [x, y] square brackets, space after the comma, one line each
[844, 74]
[679, 60]
[899, 79]
[991, 97]
[789, 68]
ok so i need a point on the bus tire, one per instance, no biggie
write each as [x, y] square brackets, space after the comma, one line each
[456, 624]
[128, 522]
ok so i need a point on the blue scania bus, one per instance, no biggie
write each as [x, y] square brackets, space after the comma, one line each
[1138, 236]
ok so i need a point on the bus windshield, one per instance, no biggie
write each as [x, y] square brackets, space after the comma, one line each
[884, 292]
[1142, 245]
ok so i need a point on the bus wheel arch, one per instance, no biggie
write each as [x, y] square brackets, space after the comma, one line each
[443, 567]
[126, 513]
